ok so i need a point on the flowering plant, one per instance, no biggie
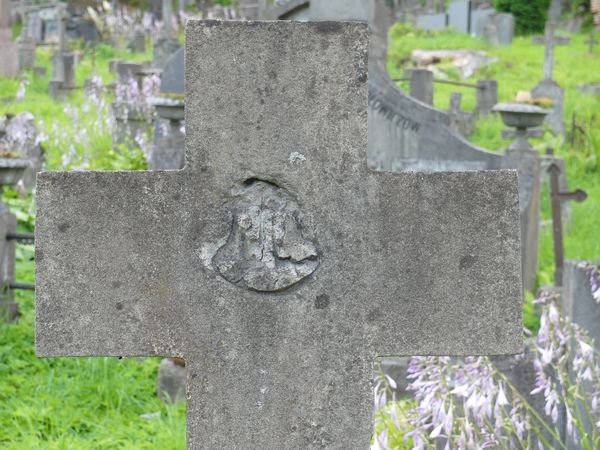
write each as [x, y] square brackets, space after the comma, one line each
[471, 404]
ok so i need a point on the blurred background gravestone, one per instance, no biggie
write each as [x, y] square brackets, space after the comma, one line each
[167, 44]
[168, 151]
[9, 59]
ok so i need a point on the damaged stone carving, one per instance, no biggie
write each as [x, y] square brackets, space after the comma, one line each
[266, 250]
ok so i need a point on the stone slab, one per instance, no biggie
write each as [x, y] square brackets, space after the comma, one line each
[9, 56]
[578, 302]
[550, 89]
[479, 19]
[173, 74]
[432, 21]
[148, 263]
[334, 9]
[459, 15]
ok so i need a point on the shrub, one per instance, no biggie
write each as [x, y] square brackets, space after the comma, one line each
[530, 15]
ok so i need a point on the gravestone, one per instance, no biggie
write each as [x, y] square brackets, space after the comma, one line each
[548, 88]
[581, 300]
[432, 21]
[138, 43]
[63, 61]
[487, 96]
[79, 28]
[332, 9]
[167, 44]
[279, 328]
[498, 28]
[168, 151]
[421, 85]
[26, 49]
[479, 19]
[9, 60]
[459, 16]
[35, 26]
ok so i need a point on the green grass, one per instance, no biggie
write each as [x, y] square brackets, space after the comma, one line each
[65, 403]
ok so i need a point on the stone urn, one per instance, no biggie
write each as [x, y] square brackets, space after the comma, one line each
[525, 119]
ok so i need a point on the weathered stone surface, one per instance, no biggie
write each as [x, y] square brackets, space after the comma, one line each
[266, 249]
[408, 263]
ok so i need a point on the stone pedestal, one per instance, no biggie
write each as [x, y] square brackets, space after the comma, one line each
[168, 152]
[525, 119]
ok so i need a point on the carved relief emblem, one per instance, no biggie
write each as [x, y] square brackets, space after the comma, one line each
[266, 250]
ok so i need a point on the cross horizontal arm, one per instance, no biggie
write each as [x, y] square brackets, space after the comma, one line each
[102, 243]
[455, 288]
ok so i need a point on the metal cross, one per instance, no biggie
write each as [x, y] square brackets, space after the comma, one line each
[557, 197]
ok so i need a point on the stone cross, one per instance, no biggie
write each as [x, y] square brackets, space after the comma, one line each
[62, 28]
[591, 42]
[557, 197]
[167, 13]
[276, 262]
[550, 41]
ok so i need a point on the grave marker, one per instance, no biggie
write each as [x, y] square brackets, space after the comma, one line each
[279, 327]
[556, 198]
[9, 60]
[548, 88]
[168, 151]
[591, 42]
[167, 44]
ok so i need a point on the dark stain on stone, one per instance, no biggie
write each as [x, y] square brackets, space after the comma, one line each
[194, 376]
[64, 227]
[362, 76]
[374, 315]
[177, 196]
[466, 262]
[322, 301]
[327, 27]
[119, 306]
[117, 284]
